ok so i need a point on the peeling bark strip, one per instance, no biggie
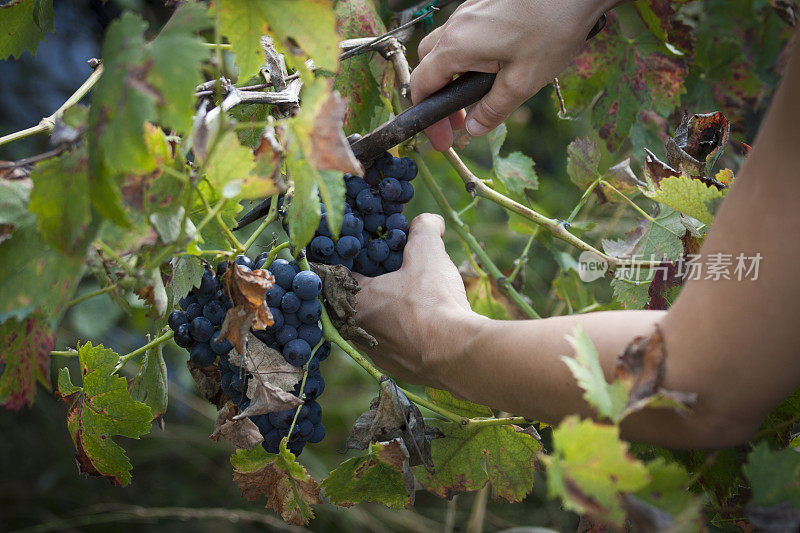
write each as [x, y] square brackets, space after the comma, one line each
[641, 368]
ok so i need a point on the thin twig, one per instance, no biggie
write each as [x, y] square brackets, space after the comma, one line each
[155, 342]
[92, 294]
[377, 40]
[273, 213]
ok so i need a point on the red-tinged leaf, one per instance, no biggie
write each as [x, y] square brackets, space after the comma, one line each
[246, 289]
[330, 149]
[697, 144]
[659, 16]
[242, 433]
[630, 75]
[289, 489]
[26, 356]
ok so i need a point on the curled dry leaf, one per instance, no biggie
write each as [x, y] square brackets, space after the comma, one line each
[339, 289]
[272, 379]
[331, 151]
[698, 142]
[246, 289]
[208, 381]
[243, 433]
[641, 369]
[392, 415]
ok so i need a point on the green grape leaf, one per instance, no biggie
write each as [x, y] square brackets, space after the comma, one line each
[629, 74]
[187, 271]
[310, 23]
[304, 211]
[610, 399]
[61, 202]
[583, 162]
[150, 385]
[289, 489]
[25, 358]
[676, 508]
[211, 236]
[466, 459]
[460, 407]
[102, 408]
[482, 302]
[774, 476]
[26, 23]
[375, 477]
[573, 291]
[591, 468]
[229, 162]
[14, 197]
[366, 81]
[689, 196]
[242, 23]
[35, 274]
[515, 170]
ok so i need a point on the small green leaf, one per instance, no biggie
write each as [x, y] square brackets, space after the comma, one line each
[591, 467]
[481, 300]
[242, 23]
[212, 236]
[25, 24]
[61, 201]
[517, 173]
[289, 489]
[583, 161]
[689, 196]
[304, 211]
[774, 476]
[668, 490]
[150, 385]
[460, 407]
[102, 409]
[610, 399]
[467, 459]
[230, 161]
[25, 358]
[187, 271]
[375, 477]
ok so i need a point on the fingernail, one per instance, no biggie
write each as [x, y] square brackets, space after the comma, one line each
[475, 128]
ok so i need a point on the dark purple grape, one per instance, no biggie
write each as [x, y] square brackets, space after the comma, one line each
[384, 162]
[354, 185]
[318, 434]
[215, 312]
[296, 447]
[323, 351]
[267, 336]
[223, 346]
[323, 228]
[372, 177]
[377, 250]
[397, 221]
[396, 239]
[239, 381]
[203, 299]
[208, 284]
[314, 412]
[406, 192]
[262, 423]
[193, 311]
[202, 354]
[291, 319]
[272, 441]
[374, 222]
[390, 208]
[309, 333]
[307, 285]
[315, 385]
[282, 419]
[310, 311]
[176, 318]
[335, 259]
[296, 352]
[295, 266]
[290, 303]
[190, 299]
[221, 269]
[368, 202]
[201, 329]
[274, 295]
[284, 273]
[183, 336]
[313, 365]
[363, 264]
[352, 225]
[408, 169]
[277, 318]
[321, 246]
[390, 189]
[243, 260]
[286, 335]
[347, 247]
[304, 430]
[393, 262]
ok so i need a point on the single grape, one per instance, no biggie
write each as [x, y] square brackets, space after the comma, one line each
[282, 419]
[221, 269]
[393, 262]
[244, 268]
[321, 246]
[296, 352]
[190, 299]
[377, 250]
[372, 177]
[193, 311]
[202, 354]
[272, 441]
[295, 266]
[315, 385]
[390, 208]
[408, 169]
[337, 260]
[214, 311]
[363, 264]
[304, 430]
[354, 185]
[290, 303]
[309, 333]
[224, 364]
[203, 299]
[323, 228]
[176, 318]
[277, 318]
[352, 225]
[368, 202]
[222, 347]
[384, 162]
[318, 434]
[201, 329]
[390, 189]
[313, 365]
[406, 192]
[284, 273]
[396, 239]
[296, 447]
[259, 262]
[397, 221]
[394, 167]
[291, 319]
[274, 295]
[307, 285]
[314, 411]
[285, 335]
[225, 383]
[347, 247]
[323, 352]
[243, 260]
[374, 222]
[310, 311]
[262, 423]
[267, 336]
[183, 336]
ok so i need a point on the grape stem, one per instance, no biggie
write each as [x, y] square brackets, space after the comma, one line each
[92, 294]
[270, 218]
[155, 342]
[48, 123]
[463, 231]
[556, 228]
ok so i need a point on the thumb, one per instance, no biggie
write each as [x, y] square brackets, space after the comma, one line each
[507, 93]
[424, 238]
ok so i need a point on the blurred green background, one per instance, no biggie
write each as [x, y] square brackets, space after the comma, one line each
[182, 480]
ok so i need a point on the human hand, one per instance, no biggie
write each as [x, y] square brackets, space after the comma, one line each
[415, 311]
[526, 43]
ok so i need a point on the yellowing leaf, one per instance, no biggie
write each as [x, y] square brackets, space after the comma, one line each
[242, 23]
[25, 358]
[689, 196]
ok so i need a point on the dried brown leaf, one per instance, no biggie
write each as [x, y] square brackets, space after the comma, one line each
[331, 151]
[243, 433]
[339, 289]
[246, 289]
[208, 381]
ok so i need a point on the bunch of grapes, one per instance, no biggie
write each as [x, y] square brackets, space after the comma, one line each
[294, 333]
[374, 230]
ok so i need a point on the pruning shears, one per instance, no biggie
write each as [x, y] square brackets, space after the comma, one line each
[460, 93]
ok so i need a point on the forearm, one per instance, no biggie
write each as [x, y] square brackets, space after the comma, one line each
[516, 366]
